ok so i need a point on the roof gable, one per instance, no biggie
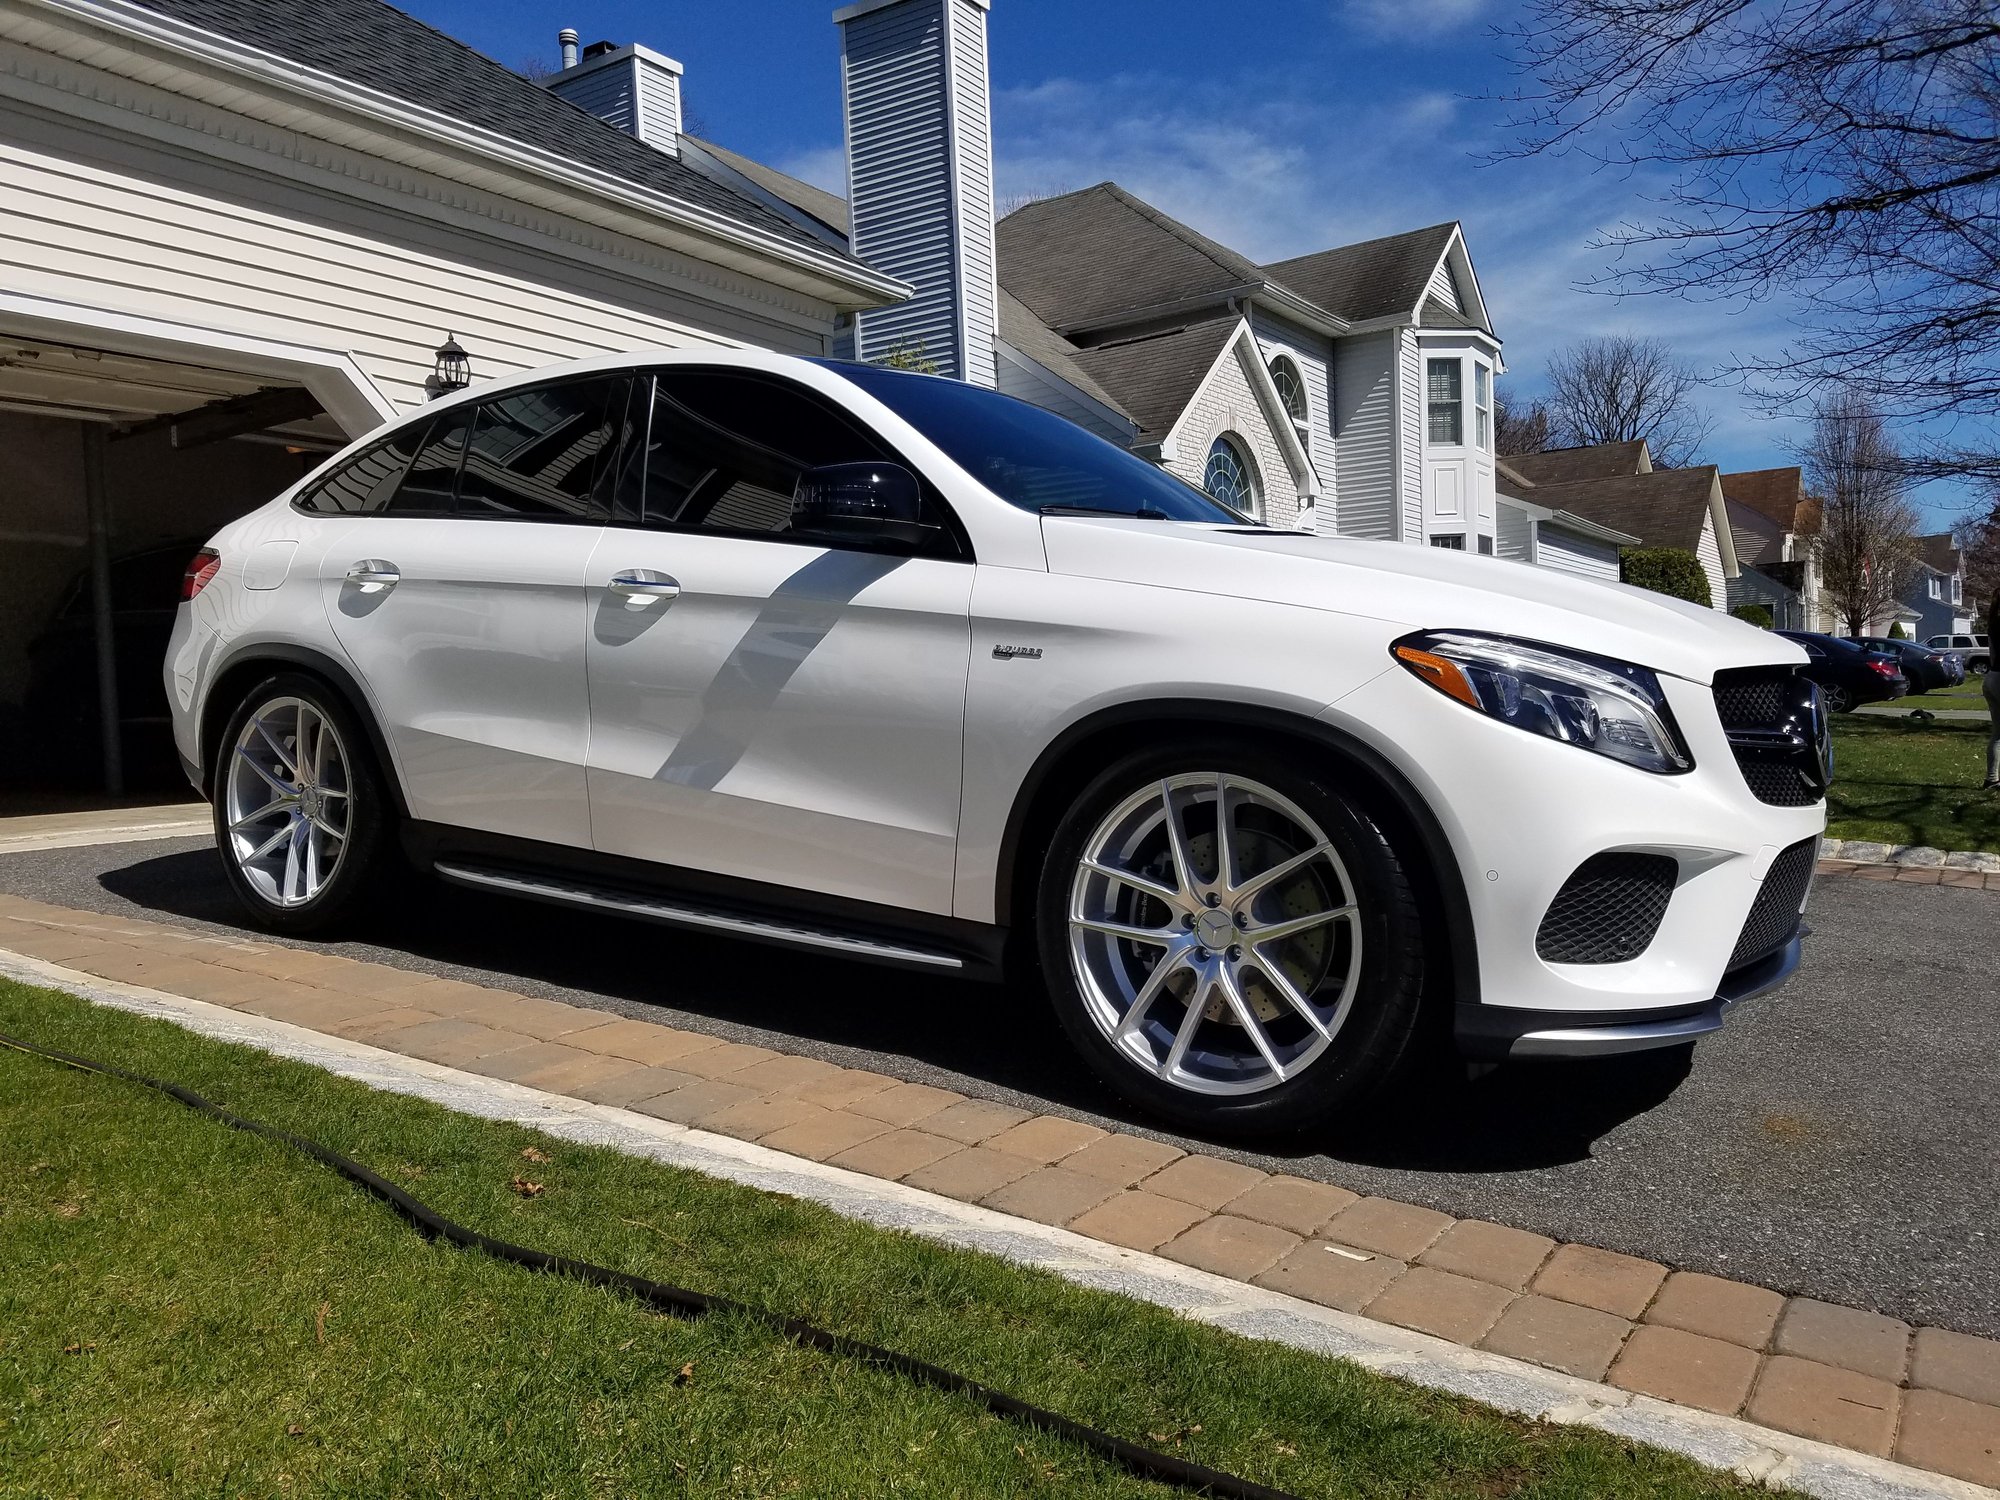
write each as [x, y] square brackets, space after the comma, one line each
[1663, 508]
[1380, 278]
[1775, 494]
[1571, 465]
[378, 47]
[1100, 253]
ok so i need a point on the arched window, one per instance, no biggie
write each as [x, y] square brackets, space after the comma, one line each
[1291, 384]
[1231, 477]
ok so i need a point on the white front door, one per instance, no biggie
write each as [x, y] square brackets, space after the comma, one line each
[762, 707]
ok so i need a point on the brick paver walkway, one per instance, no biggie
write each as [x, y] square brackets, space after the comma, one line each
[1925, 1396]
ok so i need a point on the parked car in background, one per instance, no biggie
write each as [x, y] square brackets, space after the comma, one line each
[1847, 674]
[1978, 653]
[884, 665]
[1927, 669]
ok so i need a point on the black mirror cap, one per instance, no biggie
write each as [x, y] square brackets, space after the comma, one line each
[878, 502]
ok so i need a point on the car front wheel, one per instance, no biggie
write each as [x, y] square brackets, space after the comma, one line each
[1231, 941]
[299, 813]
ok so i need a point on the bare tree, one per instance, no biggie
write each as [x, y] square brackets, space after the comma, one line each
[1520, 426]
[1845, 152]
[1614, 390]
[1979, 539]
[1866, 532]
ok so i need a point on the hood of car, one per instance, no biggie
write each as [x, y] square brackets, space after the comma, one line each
[1430, 588]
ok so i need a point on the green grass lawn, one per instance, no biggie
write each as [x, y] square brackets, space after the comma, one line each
[1968, 689]
[1903, 783]
[186, 1309]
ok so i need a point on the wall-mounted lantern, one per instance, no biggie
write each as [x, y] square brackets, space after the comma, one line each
[453, 371]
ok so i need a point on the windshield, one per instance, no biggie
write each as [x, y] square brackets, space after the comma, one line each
[1032, 458]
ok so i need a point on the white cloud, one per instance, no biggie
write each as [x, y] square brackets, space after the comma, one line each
[822, 166]
[1416, 21]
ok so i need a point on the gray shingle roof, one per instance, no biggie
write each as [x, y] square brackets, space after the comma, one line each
[1939, 551]
[829, 209]
[379, 47]
[1775, 494]
[1089, 256]
[1375, 279]
[1155, 377]
[1665, 508]
[1054, 353]
[1568, 465]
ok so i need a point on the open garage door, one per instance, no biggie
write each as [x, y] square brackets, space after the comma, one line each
[114, 467]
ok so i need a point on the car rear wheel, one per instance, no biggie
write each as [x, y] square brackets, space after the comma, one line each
[299, 814]
[1231, 942]
[1839, 699]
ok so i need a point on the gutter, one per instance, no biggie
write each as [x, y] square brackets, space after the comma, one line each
[284, 75]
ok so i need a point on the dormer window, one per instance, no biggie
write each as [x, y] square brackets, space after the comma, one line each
[1445, 401]
[1291, 384]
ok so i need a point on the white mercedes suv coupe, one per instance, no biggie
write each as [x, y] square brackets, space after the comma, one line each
[887, 666]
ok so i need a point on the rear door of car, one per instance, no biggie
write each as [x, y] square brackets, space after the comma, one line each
[459, 597]
[767, 706]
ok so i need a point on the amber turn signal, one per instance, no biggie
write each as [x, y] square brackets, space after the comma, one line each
[1440, 672]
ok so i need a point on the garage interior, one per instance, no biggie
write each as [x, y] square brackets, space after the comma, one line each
[114, 469]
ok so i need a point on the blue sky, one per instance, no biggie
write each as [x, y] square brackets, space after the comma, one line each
[1304, 124]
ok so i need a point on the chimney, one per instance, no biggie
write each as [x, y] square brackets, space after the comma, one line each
[632, 87]
[920, 177]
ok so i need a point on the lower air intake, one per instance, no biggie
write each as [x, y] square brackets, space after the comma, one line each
[1774, 915]
[1608, 911]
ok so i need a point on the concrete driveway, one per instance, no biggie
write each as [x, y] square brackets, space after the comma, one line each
[1841, 1139]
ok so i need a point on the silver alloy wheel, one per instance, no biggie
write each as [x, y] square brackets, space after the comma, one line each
[1214, 934]
[288, 801]
[1838, 699]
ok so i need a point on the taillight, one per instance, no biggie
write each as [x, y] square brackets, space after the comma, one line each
[201, 567]
[1886, 668]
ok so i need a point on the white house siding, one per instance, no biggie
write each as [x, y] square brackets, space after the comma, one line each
[972, 146]
[1709, 551]
[1364, 425]
[153, 233]
[1410, 410]
[607, 92]
[1022, 378]
[1228, 403]
[1443, 287]
[1514, 536]
[659, 105]
[1312, 353]
[1570, 552]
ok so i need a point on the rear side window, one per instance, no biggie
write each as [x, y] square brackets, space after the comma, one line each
[546, 452]
[366, 481]
[431, 480]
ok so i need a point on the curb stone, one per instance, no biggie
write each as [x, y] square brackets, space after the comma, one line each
[1759, 1455]
[1908, 856]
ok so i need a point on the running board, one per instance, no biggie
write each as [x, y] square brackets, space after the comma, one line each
[652, 909]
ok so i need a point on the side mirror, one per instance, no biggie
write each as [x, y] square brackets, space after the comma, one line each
[859, 503]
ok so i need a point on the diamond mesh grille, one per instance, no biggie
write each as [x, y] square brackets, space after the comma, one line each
[1774, 915]
[1777, 781]
[1608, 910]
[1752, 699]
[1755, 698]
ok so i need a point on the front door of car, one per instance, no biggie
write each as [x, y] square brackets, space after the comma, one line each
[461, 603]
[766, 705]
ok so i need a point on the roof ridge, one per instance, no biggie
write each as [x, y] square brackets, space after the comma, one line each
[1217, 252]
[1380, 239]
[1157, 333]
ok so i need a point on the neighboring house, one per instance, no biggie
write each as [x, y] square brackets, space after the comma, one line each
[1936, 597]
[1549, 538]
[1615, 487]
[1774, 521]
[238, 231]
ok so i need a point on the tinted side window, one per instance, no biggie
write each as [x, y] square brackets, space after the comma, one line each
[544, 452]
[432, 478]
[365, 482]
[724, 451]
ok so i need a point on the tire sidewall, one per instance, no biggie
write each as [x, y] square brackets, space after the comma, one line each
[369, 826]
[1378, 1029]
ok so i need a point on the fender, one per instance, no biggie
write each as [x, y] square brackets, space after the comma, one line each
[1415, 811]
[306, 658]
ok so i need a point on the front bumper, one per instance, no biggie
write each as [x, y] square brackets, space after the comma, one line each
[1491, 1033]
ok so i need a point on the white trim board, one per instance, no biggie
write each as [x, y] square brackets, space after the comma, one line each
[1756, 1453]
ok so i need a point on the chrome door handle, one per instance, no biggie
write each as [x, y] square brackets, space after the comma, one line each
[639, 586]
[373, 573]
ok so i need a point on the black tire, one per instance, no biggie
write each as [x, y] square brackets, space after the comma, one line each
[367, 860]
[1839, 699]
[1379, 1029]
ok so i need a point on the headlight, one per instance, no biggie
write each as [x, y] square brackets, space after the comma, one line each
[1610, 707]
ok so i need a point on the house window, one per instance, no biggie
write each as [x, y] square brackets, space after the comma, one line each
[1937, 587]
[1957, 589]
[1451, 541]
[1482, 406]
[1445, 400]
[1486, 546]
[1230, 477]
[1291, 389]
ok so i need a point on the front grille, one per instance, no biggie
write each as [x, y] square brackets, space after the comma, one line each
[1773, 726]
[1774, 915]
[1608, 909]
